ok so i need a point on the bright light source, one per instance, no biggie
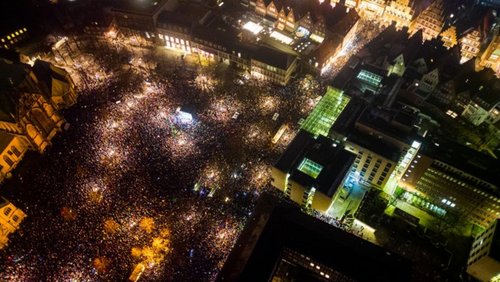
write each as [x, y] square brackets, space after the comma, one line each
[317, 38]
[253, 27]
[416, 144]
[281, 37]
[184, 117]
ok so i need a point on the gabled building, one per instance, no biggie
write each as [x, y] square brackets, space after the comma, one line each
[371, 9]
[445, 93]
[490, 57]
[397, 67]
[449, 37]
[56, 84]
[430, 21]
[428, 82]
[25, 110]
[10, 219]
[29, 101]
[292, 16]
[399, 13]
[470, 44]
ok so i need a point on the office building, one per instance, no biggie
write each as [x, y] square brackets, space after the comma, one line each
[457, 179]
[484, 258]
[311, 170]
[280, 243]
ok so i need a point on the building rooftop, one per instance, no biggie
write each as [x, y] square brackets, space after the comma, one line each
[271, 57]
[11, 75]
[185, 14]
[326, 112]
[373, 144]
[5, 140]
[139, 7]
[318, 162]
[383, 120]
[279, 237]
[466, 159]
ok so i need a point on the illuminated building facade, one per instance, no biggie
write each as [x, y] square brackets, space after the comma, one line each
[55, 83]
[311, 171]
[430, 21]
[398, 12]
[12, 150]
[371, 9]
[326, 112]
[29, 117]
[490, 58]
[11, 38]
[351, 4]
[455, 179]
[484, 258]
[428, 82]
[344, 33]
[291, 19]
[313, 166]
[271, 65]
[10, 219]
[470, 45]
[479, 111]
[449, 37]
[397, 67]
[374, 161]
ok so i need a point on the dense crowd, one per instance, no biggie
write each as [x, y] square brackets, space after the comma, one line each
[131, 182]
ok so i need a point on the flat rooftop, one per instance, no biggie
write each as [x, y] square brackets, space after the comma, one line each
[137, 6]
[318, 162]
[278, 229]
[466, 159]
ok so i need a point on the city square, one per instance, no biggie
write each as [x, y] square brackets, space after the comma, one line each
[250, 140]
[134, 168]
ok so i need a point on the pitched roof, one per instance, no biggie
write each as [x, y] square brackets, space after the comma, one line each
[5, 140]
[11, 75]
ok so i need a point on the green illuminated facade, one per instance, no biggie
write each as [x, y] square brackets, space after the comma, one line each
[326, 112]
[310, 168]
[370, 78]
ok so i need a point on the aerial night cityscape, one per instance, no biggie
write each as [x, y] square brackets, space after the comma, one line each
[250, 140]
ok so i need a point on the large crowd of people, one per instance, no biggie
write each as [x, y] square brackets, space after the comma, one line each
[130, 168]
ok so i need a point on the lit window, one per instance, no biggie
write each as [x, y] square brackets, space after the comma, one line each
[7, 211]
